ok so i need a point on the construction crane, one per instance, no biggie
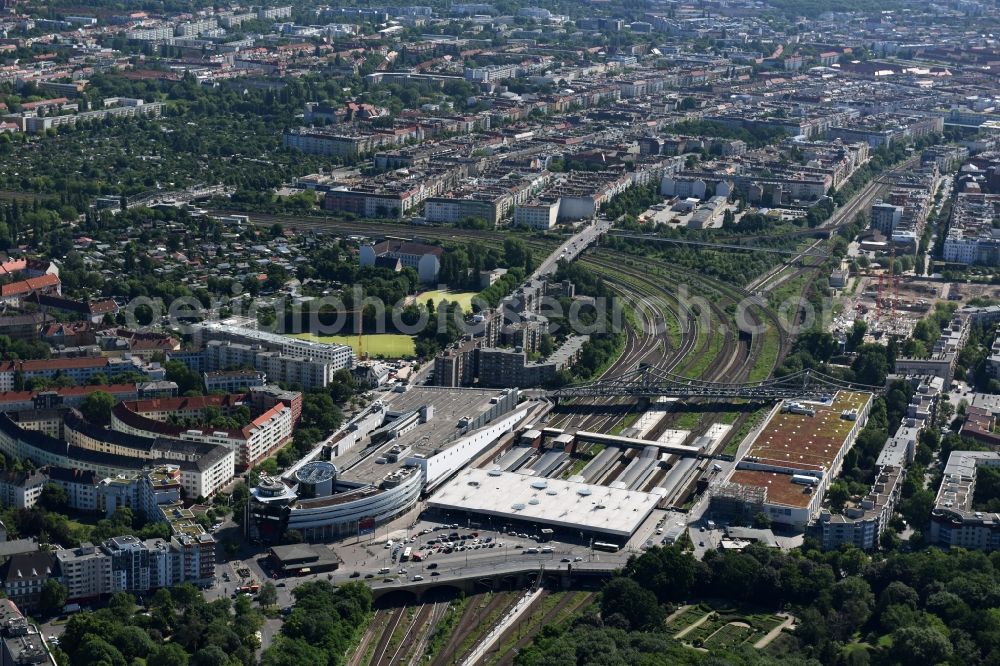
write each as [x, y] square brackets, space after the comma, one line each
[357, 317]
[888, 287]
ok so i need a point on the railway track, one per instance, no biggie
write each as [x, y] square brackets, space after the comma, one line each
[733, 360]
[648, 295]
[361, 650]
[400, 637]
[563, 610]
[382, 646]
[454, 651]
[656, 304]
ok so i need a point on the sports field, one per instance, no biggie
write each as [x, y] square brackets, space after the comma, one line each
[388, 345]
[464, 298]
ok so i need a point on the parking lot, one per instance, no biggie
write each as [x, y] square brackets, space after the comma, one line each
[437, 550]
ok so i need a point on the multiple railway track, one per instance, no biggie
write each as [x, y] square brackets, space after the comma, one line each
[398, 635]
[699, 340]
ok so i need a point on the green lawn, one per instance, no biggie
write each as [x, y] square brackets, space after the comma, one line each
[577, 466]
[389, 345]
[464, 298]
[729, 636]
[768, 357]
[718, 631]
[751, 422]
[626, 422]
[690, 615]
[686, 420]
[697, 367]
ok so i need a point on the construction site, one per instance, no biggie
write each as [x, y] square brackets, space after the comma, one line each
[889, 305]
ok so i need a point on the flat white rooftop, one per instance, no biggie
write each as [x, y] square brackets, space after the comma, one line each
[566, 504]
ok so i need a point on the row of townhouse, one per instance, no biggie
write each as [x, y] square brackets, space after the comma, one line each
[971, 238]
[309, 372]
[491, 196]
[73, 396]
[227, 330]
[204, 468]
[130, 564]
[34, 124]
[88, 492]
[271, 428]
[121, 564]
[861, 524]
[80, 370]
[392, 195]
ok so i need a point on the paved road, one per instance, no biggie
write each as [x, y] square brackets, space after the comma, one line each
[573, 247]
[367, 557]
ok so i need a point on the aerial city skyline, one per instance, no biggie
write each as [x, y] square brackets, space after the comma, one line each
[508, 333]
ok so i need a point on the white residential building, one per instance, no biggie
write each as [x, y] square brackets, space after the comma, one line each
[537, 214]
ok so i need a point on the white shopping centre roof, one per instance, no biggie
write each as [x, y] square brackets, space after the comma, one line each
[581, 506]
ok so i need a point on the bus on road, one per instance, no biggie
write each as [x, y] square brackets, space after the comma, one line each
[610, 547]
[406, 554]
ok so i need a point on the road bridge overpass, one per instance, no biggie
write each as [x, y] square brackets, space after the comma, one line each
[635, 443]
[650, 382]
[512, 576]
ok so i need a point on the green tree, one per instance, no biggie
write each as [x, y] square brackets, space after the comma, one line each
[53, 497]
[188, 381]
[133, 642]
[920, 645]
[168, 654]
[122, 604]
[97, 651]
[667, 572]
[917, 508]
[96, 408]
[871, 365]
[854, 602]
[546, 345]
[838, 494]
[515, 252]
[211, 655]
[52, 597]
[268, 595]
[857, 335]
[322, 625]
[635, 604]
[292, 652]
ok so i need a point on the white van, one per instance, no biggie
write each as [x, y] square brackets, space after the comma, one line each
[383, 571]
